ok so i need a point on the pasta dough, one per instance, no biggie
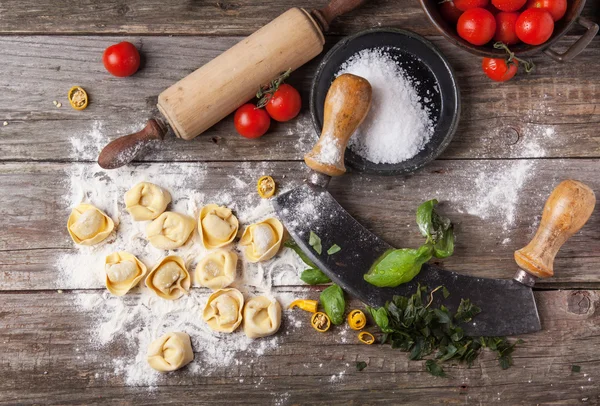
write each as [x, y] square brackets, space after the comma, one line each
[89, 225]
[262, 240]
[122, 272]
[169, 279]
[170, 230]
[146, 201]
[217, 270]
[170, 352]
[262, 317]
[223, 312]
[217, 226]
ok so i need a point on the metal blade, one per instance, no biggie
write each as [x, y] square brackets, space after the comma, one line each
[508, 307]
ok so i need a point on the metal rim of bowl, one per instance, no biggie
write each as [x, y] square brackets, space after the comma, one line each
[456, 95]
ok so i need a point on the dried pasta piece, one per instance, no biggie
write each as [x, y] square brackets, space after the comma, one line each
[223, 311]
[170, 278]
[170, 230]
[262, 240]
[217, 226]
[146, 201]
[123, 271]
[170, 352]
[262, 317]
[217, 270]
[89, 225]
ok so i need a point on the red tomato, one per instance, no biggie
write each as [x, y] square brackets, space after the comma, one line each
[465, 5]
[250, 121]
[534, 26]
[498, 70]
[122, 59]
[505, 28]
[284, 104]
[449, 12]
[508, 5]
[556, 8]
[476, 26]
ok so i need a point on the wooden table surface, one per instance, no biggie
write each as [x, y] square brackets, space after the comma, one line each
[541, 128]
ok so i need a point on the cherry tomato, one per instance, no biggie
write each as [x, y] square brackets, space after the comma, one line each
[250, 121]
[498, 69]
[505, 28]
[122, 59]
[284, 104]
[476, 26]
[449, 12]
[556, 8]
[534, 26]
[508, 5]
[465, 5]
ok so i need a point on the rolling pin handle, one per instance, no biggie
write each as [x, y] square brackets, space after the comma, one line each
[334, 9]
[124, 149]
[568, 208]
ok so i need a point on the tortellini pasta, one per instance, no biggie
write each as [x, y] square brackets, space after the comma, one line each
[262, 240]
[122, 272]
[262, 317]
[223, 312]
[89, 225]
[217, 226]
[146, 201]
[170, 352]
[217, 270]
[170, 278]
[170, 230]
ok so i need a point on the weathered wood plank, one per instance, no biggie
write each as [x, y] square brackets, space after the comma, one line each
[46, 346]
[240, 17]
[554, 109]
[496, 206]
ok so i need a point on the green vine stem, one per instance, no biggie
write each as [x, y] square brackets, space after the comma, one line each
[265, 93]
[529, 65]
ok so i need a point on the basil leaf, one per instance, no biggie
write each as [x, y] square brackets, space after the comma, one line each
[437, 229]
[434, 368]
[292, 244]
[334, 304]
[398, 266]
[333, 249]
[424, 218]
[444, 247]
[315, 242]
[360, 365]
[466, 311]
[381, 318]
[314, 276]
[575, 368]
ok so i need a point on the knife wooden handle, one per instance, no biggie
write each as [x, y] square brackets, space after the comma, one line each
[346, 106]
[567, 209]
[334, 9]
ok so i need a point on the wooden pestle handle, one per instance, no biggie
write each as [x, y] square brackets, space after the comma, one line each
[334, 9]
[123, 150]
[567, 209]
[346, 105]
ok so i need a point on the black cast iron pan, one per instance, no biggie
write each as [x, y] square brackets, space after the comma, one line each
[421, 60]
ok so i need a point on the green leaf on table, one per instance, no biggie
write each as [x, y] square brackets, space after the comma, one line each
[575, 368]
[333, 249]
[434, 368]
[380, 316]
[437, 229]
[314, 276]
[334, 304]
[360, 365]
[292, 244]
[315, 242]
[466, 311]
[398, 266]
[445, 292]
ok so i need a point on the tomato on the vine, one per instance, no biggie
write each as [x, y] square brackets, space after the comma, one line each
[449, 12]
[465, 5]
[476, 26]
[534, 26]
[251, 121]
[499, 69]
[508, 5]
[122, 59]
[284, 104]
[505, 28]
[556, 8]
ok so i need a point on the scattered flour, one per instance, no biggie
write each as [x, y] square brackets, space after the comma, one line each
[398, 124]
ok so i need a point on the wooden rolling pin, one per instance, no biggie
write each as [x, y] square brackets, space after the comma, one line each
[215, 90]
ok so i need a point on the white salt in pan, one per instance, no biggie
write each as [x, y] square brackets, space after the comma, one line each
[398, 125]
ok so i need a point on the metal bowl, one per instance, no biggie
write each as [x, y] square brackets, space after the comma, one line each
[421, 60]
[561, 27]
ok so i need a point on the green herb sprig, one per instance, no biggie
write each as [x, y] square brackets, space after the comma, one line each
[412, 325]
[313, 275]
